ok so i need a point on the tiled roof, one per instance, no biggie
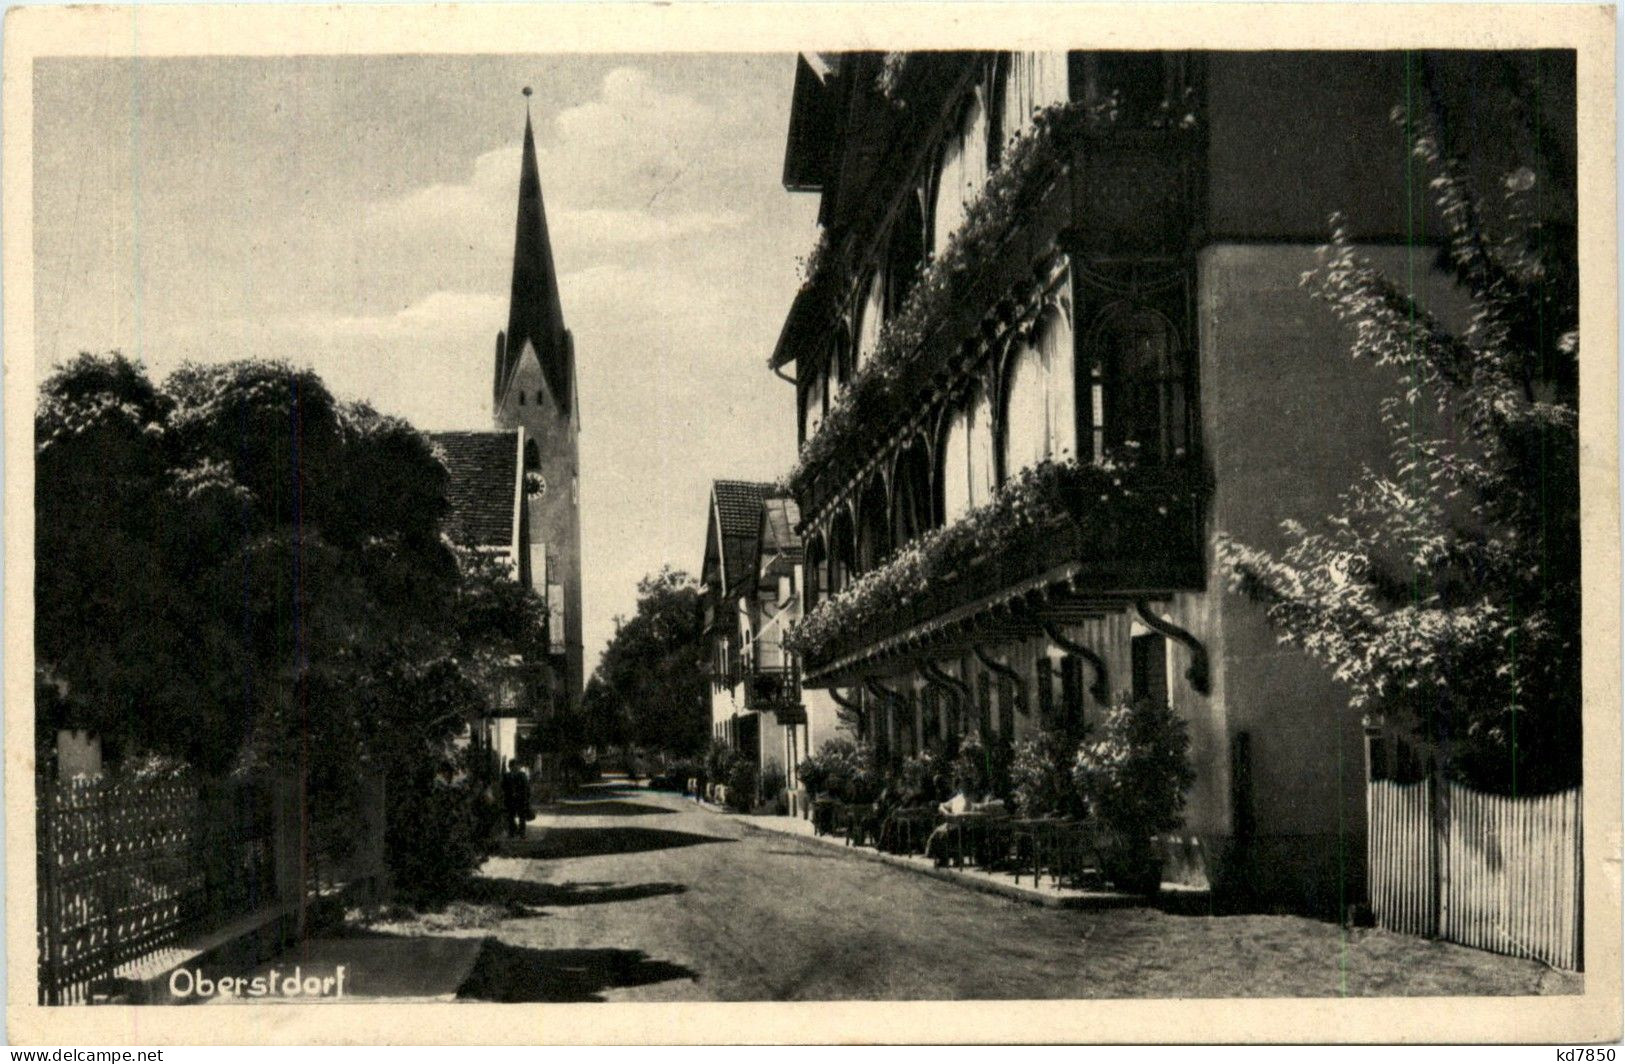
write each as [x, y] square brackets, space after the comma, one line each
[739, 506]
[484, 476]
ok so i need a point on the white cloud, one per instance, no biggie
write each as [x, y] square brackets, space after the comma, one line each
[435, 316]
[613, 172]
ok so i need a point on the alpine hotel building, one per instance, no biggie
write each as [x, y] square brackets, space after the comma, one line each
[1053, 343]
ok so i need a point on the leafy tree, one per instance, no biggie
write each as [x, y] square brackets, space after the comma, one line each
[1444, 590]
[238, 570]
[652, 673]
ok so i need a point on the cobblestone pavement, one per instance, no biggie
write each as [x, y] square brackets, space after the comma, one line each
[625, 895]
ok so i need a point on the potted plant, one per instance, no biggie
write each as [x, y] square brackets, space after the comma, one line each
[1134, 775]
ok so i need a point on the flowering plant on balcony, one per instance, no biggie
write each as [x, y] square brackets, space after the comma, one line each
[1023, 512]
[1028, 164]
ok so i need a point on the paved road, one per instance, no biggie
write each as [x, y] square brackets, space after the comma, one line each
[630, 895]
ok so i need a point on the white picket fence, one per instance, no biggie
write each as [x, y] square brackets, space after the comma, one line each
[1498, 873]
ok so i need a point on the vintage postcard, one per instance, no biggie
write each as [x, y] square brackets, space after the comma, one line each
[811, 523]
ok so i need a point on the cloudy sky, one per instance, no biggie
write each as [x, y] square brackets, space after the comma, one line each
[357, 215]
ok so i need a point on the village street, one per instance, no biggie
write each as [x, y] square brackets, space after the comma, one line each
[624, 894]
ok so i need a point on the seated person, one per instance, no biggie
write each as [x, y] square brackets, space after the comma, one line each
[878, 818]
[936, 847]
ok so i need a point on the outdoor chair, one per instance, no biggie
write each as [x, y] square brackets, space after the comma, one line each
[980, 838]
[823, 815]
[1065, 850]
[906, 829]
[857, 821]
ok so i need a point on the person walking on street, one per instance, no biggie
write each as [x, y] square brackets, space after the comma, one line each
[515, 799]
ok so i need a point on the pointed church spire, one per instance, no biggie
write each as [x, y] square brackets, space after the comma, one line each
[534, 312]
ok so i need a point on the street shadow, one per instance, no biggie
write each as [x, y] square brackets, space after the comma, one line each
[605, 808]
[500, 890]
[563, 843]
[510, 974]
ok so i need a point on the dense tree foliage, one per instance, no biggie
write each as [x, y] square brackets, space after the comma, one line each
[1445, 590]
[236, 571]
[649, 687]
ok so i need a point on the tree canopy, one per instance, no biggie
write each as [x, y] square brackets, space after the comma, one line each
[1445, 589]
[235, 569]
[649, 687]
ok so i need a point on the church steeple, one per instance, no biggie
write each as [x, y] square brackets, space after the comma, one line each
[534, 312]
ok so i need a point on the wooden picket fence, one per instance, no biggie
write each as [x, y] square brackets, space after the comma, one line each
[1498, 873]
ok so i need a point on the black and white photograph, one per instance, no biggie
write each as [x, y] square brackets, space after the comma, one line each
[1078, 522]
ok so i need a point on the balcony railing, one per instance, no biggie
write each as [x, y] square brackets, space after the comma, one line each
[1107, 535]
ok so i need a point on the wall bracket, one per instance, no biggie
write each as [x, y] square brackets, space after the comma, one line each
[1198, 674]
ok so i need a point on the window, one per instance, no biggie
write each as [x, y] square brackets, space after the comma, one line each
[842, 554]
[840, 363]
[1072, 691]
[961, 172]
[911, 487]
[905, 253]
[1007, 708]
[1146, 373]
[538, 397]
[533, 456]
[1149, 653]
[874, 528]
[816, 573]
[1134, 86]
[521, 398]
[1045, 674]
[984, 703]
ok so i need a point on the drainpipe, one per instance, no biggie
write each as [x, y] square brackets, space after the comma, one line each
[1097, 690]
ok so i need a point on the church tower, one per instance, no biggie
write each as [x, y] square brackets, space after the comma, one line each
[534, 388]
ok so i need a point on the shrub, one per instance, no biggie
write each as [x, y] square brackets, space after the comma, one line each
[917, 779]
[814, 775]
[437, 834]
[847, 771]
[772, 786]
[717, 757]
[742, 780]
[1042, 778]
[1135, 775]
[982, 766]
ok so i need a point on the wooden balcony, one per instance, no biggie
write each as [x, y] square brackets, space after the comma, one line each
[1098, 563]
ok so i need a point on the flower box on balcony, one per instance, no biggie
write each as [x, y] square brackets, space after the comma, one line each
[1110, 530]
